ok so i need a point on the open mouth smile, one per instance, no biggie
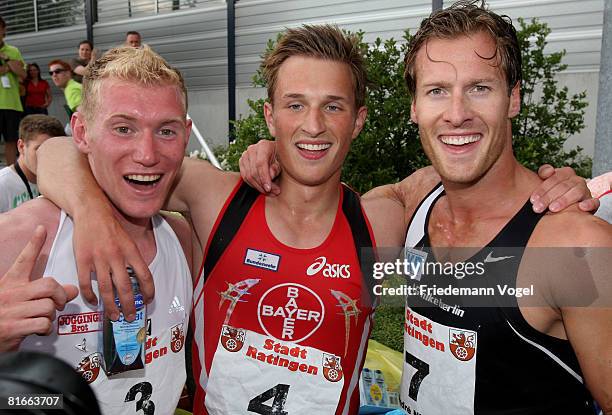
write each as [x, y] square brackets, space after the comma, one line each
[313, 147]
[143, 179]
[460, 140]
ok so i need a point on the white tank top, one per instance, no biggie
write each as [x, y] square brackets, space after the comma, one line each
[77, 329]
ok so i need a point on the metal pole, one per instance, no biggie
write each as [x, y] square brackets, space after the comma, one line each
[231, 66]
[89, 18]
[209, 154]
[35, 2]
[602, 158]
[436, 5]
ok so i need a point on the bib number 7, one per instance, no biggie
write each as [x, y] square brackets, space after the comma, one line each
[279, 393]
[422, 371]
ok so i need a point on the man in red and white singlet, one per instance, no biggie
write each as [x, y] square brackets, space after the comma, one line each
[294, 321]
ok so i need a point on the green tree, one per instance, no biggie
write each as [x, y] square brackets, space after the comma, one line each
[549, 114]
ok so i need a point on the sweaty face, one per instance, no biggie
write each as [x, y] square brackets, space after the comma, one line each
[462, 106]
[85, 51]
[133, 41]
[28, 150]
[313, 118]
[135, 143]
[59, 75]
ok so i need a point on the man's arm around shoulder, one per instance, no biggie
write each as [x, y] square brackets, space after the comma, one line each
[390, 207]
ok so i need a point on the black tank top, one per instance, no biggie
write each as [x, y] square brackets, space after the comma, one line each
[493, 361]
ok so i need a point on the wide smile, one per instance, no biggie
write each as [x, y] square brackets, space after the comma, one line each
[313, 151]
[459, 144]
[142, 181]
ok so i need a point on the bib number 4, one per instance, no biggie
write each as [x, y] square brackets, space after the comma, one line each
[279, 395]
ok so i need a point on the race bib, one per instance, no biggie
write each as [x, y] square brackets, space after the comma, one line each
[254, 373]
[439, 374]
[6, 82]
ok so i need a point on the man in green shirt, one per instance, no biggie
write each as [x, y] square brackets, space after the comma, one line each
[12, 70]
[61, 74]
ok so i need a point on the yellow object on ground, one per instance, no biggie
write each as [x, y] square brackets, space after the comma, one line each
[386, 360]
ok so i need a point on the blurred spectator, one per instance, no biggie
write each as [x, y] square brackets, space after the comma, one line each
[133, 39]
[61, 75]
[12, 70]
[78, 64]
[37, 91]
[18, 181]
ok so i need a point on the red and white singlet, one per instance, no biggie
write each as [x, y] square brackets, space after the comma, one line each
[280, 330]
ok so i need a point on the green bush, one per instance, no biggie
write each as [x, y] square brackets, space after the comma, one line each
[549, 116]
[388, 148]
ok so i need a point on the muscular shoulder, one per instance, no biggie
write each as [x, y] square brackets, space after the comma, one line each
[18, 226]
[390, 207]
[572, 228]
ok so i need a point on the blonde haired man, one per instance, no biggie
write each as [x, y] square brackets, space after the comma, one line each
[133, 132]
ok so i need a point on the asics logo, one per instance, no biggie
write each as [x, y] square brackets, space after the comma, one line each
[329, 270]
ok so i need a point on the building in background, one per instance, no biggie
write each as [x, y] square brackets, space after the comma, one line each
[192, 35]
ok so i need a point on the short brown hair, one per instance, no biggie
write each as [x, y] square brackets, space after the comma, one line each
[139, 65]
[35, 124]
[322, 42]
[86, 42]
[62, 63]
[463, 18]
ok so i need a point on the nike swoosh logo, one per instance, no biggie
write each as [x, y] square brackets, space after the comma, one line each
[491, 258]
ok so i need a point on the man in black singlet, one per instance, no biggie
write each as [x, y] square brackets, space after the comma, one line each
[487, 351]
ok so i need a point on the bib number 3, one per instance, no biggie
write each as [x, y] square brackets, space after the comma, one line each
[145, 389]
[279, 393]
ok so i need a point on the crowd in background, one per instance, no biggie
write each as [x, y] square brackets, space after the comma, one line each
[68, 76]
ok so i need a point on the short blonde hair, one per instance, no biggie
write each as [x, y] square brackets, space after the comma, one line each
[141, 65]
